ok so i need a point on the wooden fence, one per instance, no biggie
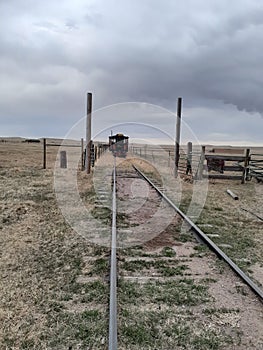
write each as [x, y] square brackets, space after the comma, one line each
[221, 163]
[256, 166]
[96, 151]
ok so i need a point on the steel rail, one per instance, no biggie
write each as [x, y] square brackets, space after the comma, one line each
[207, 240]
[113, 272]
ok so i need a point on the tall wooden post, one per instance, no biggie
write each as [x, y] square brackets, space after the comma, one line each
[82, 154]
[246, 163]
[88, 133]
[44, 153]
[177, 136]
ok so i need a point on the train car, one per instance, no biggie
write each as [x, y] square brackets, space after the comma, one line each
[119, 145]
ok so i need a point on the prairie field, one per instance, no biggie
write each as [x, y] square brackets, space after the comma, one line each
[53, 283]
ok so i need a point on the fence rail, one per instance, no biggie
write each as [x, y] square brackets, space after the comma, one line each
[256, 166]
[236, 164]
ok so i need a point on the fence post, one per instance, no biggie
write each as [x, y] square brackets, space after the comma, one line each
[201, 164]
[246, 163]
[82, 154]
[177, 136]
[96, 153]
[88, 133]
[169, 155]
[63, 159]
[189, 158]
[44, 153]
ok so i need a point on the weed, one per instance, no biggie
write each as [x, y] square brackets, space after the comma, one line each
[163, 267]
[168, 252]
[181, 292]
[96, 291]
[185, 237]
[100, 267]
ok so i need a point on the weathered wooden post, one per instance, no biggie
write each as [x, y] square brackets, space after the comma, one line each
[189, 158]
[169, 158]
[44, 153]
[92, 154]
[96, 153]
[246, 163]
[88, 133]
[82, 154]
[200, 170]
[63, 159]
[177, 136]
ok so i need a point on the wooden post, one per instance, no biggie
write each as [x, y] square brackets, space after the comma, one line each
[177, 136]
[88, 133]
[246, 163]
[82, 154]
[63, 159]
[201, 164]
[189, 158]
[95, 153]
[44, 153]
[169, 158]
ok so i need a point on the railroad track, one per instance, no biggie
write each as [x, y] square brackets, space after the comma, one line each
[114, 273]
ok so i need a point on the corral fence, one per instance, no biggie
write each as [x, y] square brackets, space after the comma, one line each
[256, 166]
[236, 166]
[206, 161]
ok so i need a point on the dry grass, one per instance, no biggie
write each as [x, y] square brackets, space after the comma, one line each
[43, 303]
[53, 282]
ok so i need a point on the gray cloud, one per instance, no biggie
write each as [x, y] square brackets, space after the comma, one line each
[208, 52]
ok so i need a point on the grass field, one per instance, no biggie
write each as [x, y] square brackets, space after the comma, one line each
[54, 284]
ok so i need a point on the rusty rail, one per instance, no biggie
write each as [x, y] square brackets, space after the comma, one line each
[208, 241]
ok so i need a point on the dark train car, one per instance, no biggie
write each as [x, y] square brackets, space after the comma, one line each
[119, 145]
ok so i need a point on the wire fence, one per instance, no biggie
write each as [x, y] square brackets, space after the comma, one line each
[188, 161]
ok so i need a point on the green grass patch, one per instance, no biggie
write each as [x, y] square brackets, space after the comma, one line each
[168, 252]
[163, 267]
[164, 330]
[100, 267]
[178, 292]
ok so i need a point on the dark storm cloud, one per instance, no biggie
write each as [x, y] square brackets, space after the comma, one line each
[221, 61]
[209, 52]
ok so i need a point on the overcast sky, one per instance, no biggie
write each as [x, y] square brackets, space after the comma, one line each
[209, 52]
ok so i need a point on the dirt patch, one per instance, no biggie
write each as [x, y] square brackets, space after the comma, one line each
[164, 239]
